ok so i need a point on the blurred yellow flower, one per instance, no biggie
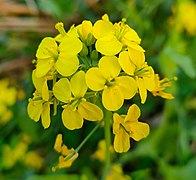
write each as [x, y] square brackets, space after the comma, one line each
[100, 152]
[77, 108]
[186, 15]
[126, 127]
[11, 155]
[117, 173]
[8, 96]
[115, 88]
[33, 159]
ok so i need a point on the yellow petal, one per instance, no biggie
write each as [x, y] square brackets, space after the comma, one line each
[58, 143]
[86, 28]
[70, 45]
[133, 113]
[62, 90]
[94, 79]
[108, 45]
[121, 141]
[109, 66]
[45, 91]
[137, 57]
[71, 118]
[102, 28]
[126, 63]
[164, 95]
[34, 109]
[78, 84]
[112, 98]
[45, 115]
[117, 120]
[131, 35]
[66, 151]
[67, 64]
[38, 82]
[149, 81]
[105, 17]
[142, 89]
[127, 85]
[139, 130]
[43, 66]
[135, 46]
[47, 47]
[90, 111]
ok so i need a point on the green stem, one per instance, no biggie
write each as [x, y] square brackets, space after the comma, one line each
[107, 132]
[83, 142]
[87, 137]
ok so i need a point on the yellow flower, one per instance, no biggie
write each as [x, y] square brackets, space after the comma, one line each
[186, 17]
[100, 152]
[117, 173]
[72, 32]
[127, 126]
[67, 156]
[8, 96]
[112, 38]
[161, 85]
[63, 57]
[33, 159]
[37, 109]
[39, 105]
[76, 108]
[138, 68]
[11, 155]
[115, 88]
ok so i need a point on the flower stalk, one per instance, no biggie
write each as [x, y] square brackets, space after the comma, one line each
[107, 131]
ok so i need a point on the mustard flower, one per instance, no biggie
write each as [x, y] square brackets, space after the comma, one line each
[72, 32]
[161, 85]
[67, 156]
[39, 105]
[115, 88]
[76, 108]
[63, 57]
[112, 38]
[127, 126]
[142, 73]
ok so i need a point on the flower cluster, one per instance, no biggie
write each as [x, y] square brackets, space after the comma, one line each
[91, 69]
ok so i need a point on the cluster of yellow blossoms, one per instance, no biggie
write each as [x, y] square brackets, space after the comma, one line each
[90, 69]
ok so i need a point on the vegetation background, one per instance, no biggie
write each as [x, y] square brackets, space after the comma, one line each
[168, 33]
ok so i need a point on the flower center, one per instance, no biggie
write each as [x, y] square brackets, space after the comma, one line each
[120, 29]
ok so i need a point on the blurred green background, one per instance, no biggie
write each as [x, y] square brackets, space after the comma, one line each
[168, 33]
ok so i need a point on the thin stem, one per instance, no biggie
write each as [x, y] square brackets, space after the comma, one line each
[87, 137]
[107, 129]
[83, 142]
